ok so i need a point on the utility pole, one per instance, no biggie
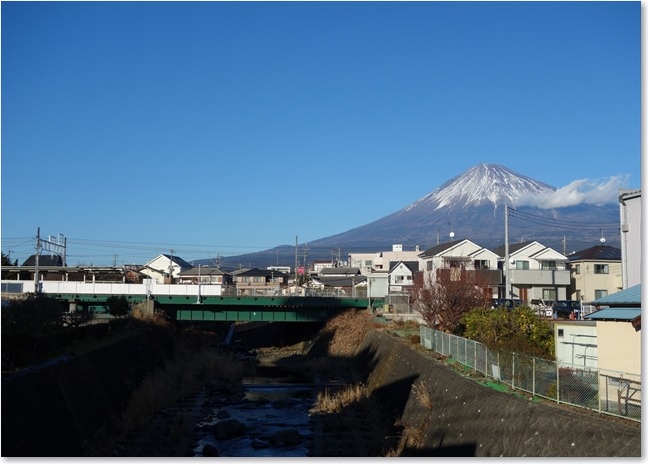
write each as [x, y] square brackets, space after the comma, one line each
[171, 268]
[296, 264]
[564, 240]
[36, 278]
[506, 253]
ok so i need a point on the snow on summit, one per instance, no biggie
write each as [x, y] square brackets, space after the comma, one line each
[483, 184]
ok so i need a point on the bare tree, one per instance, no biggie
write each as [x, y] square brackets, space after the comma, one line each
[442, 302]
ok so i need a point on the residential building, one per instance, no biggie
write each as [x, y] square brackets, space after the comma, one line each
[463, 260]
[205, 275]
[165, 268]
[401, 275]
[630, 216]
[618, 330]
[594, 273]
[380, 260]
[535, 271]
[339, 280]
[576, 343]
[618, 323]
[257, 282]
[317, 266]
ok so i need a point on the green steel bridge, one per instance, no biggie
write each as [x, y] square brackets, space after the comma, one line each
[236, 308]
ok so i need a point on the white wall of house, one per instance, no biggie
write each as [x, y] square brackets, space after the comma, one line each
[400, 278]
[535, 254]
[460, 252]
[576, 343]
[378, 284]
[380, 260]
[484, 255]
[630, 217]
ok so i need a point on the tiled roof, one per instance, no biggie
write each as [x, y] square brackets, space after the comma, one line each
[179, 261]
[598, 253]
[44, 260]
[257, 273]
[413, 266]
[513, 247]
[440, 247]
[340, 271]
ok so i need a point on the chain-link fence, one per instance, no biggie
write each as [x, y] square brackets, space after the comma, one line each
[602, 390]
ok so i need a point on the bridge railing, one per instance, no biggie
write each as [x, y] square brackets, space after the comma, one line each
[110, 288]
[152, 288]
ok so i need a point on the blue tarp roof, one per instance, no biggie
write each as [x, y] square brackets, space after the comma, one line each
[630, 295]
[614, 314]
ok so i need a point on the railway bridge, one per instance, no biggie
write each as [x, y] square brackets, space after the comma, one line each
[197, 302]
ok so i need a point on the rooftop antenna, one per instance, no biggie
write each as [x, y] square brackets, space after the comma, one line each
[602, 239]
[452, 234]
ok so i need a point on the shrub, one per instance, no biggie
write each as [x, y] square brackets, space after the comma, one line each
[118, 306]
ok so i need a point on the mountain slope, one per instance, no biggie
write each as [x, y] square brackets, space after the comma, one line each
[471, 205]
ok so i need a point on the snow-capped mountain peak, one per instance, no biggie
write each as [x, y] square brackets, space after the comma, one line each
[482, 184]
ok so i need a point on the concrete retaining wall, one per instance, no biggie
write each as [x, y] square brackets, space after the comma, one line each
[52, 410]
[470, 419]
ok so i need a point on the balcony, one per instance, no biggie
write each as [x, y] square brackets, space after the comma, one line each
[539, 277]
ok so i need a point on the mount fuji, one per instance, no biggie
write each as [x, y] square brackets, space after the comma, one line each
[471, 205]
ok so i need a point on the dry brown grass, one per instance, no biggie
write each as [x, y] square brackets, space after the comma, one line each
[348, 331]
[423, 396]
[410, 437]
[185, 375]
[192, 368]
[139, 313]
[336, 402]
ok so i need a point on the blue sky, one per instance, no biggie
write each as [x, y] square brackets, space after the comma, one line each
[215, 128]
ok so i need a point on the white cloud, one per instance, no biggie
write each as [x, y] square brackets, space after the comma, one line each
[582, 191]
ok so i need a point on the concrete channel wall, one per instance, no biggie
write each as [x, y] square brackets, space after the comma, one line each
[467, 418]
[53, 409]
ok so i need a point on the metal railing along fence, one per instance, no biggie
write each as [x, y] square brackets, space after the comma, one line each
[605, 391]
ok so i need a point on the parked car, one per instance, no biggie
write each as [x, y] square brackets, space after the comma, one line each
[508, 303]
[542, 307]
[564, 308]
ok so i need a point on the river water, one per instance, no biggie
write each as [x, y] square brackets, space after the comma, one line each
[272, 403]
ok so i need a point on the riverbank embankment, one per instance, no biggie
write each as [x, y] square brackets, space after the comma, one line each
[450, 415]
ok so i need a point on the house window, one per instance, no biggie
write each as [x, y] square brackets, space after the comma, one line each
[548, 265]
[600, 294]
[430, 266]
[561, 332]
[601, 269]
[549, 294]
[481, 264]
[368, 263]
[522, 265]
[577, 268]
[399, 278]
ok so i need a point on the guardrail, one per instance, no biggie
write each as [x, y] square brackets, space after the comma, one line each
[608, 392]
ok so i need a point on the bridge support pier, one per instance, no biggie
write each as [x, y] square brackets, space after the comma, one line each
[149, 307]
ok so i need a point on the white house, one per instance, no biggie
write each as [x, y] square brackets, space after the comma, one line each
[381, 260]
[459, 257]
[164, 265]
[535, 271]
[401, 275]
